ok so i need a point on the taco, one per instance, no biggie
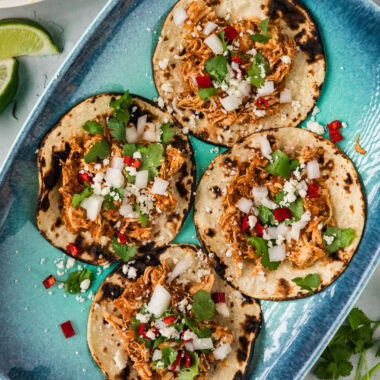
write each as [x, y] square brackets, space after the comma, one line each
[283, 212]
[226, 69]
[115, 174]
[169, 316]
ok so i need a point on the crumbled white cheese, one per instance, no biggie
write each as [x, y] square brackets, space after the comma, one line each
[120, 359]
[70, 263]
[286, 59]
[170, 333]
[329, 239]
[182, 305]
[85, 284]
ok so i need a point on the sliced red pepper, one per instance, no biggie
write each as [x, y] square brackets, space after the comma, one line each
[84, 177]
[203, 81]
[230, 33]
[282, 213]
[259, 229]
[245, 223]
[49, 281]
[67, 329]
[122, 237]
[112, 210]
[73, 249]
[177, 361]
[334, 125]
[187, 340]
[218, 297]
[335, 135]
[136, 164]
[128, 160]
[237, 59]
[141, 331]
[169, 320]
[313, 191]
[187, 360]
[261, 102]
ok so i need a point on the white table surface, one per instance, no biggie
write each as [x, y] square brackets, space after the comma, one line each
[66, 21]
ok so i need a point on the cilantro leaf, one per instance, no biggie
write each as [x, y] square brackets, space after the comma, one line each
[72, 284]
[93, 127]
[129, 149]
[255, 71]
[280, 164]
[266, 215]
[193, 370]
[203, 306]
[168, 132]
[144, 218]
[261, 246]
[101, 149]
[110, 199]
[357, 317]
[124, 251]
[216, 67]
[341, 238]
[222, 36]
[151, 158]
[78, 198]
[117, 129]
[169, 355]
[294, 164]
[206, 93]
[262, 38]
[121, 107]
[309, 282]
[297, 209]
[205, 332]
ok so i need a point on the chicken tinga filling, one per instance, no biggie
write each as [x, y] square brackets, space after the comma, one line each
[168, 325]
[116, 178]
[277, 209]
[234, 72]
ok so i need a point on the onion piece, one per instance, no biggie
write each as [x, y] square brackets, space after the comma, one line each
[160, 301]
[244, 205]
[141, 179]
[203, 344]
[265, 147]
[157, 355]
[92, 205]
[150, 136]
[118, 163]
[267, 89]
[179, 16]
[230, 102]
[215, 44]
[181, 267]
[313, 169]
[277, 253]
[285, 96]
[131, 135]
[268, 203]
[189, 346]
[127, 210]
[114, 177]
[209, 28]
[159, 186]
[160, 324]
[222, 309]
[259, 193]
[222, 351]
[141, 121]
[244, 88]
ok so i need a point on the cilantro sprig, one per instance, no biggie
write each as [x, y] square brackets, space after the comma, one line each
[152, 157]
[72, 284]
[101, 149]
[216, 67]
[261, 246]
[310, 282]
[203, 306]
[93, 127]
[124, 251]
[341, 238]
[266, 216]
[78, 198]
[144, 218]
[193, 370]
[168, 132]
[255, 71]
[206, 93]
[262, 38]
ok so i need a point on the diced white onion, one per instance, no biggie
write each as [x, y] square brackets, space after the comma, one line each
[159, 186]
[222, 309]
[259, 193]
[277, 253]
[265, 147]
[150, 136]
[268, 203]
[179, 16]
[244, 205]
[181, 267]
[267, 89]
[92, 205]
[189, 346]
[285, 96]
[244, 88]
[203, 344]
[160, 324]
[131, 135]
[157, 355]
[222, 351]
[127, 210]
[313, 169]
[141, 121]
[141, 179]
[230, 102]
[160, 301]
[215, 44]
[118, 163]
[282, 229]
[114, 177]
[272, 232]
[209, 28]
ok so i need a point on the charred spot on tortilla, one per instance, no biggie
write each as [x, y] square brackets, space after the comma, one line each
[283, 287]
[52, 176]
[251, 324]
[238, 376]
[45, 203]
[112, 291]
[242, 351]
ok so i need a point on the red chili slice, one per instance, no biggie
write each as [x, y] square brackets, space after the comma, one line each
[218, 297]
[122, 238]
[177, 361]
[335, 135]
[169, 320]
[244, 223]
[261, 102]
[313, 191]
[67, 329]
[141, 331]
[334, 125]
[49, 281]
[237, 59]
[282, 213]
[84, 177]
[136, 164]
[73, 249]
[128, 160]
[112, 210]
[259, 229]
[187, 360]
[230, 33]
[204, 81]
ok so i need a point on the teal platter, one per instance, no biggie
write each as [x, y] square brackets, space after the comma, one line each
[113, 55]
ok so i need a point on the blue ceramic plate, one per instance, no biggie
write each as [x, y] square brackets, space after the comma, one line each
[115, 54]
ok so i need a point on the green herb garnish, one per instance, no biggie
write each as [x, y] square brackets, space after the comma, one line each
[93, 127]
[121, 107]
[124, 251]
[78, 198]
[280, 164]
[151, 159]
[101, 149]
[193, 370]
[255, 71]
[117, 128]
[342, 238]
[168, 132]
[216, 67]
[144, 218]
[266, 215]
[72, 284]
[261, 246]
[222, 36]
[129, 149]
[309, 282]
[206, 93]
[203, 306]
[262, 38]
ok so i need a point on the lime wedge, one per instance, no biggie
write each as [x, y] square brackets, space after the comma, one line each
[24, 37]
[8, 81]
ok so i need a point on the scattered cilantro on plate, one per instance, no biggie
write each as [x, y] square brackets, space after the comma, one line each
[72, 284]
[117, 128]
[193, 370]
[206, 93]
[144, 218]
[255, 71]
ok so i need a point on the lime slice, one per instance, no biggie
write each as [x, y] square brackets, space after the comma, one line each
[8, 81]
[24, 37]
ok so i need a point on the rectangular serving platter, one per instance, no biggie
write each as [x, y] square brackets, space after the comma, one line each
[113, 55]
